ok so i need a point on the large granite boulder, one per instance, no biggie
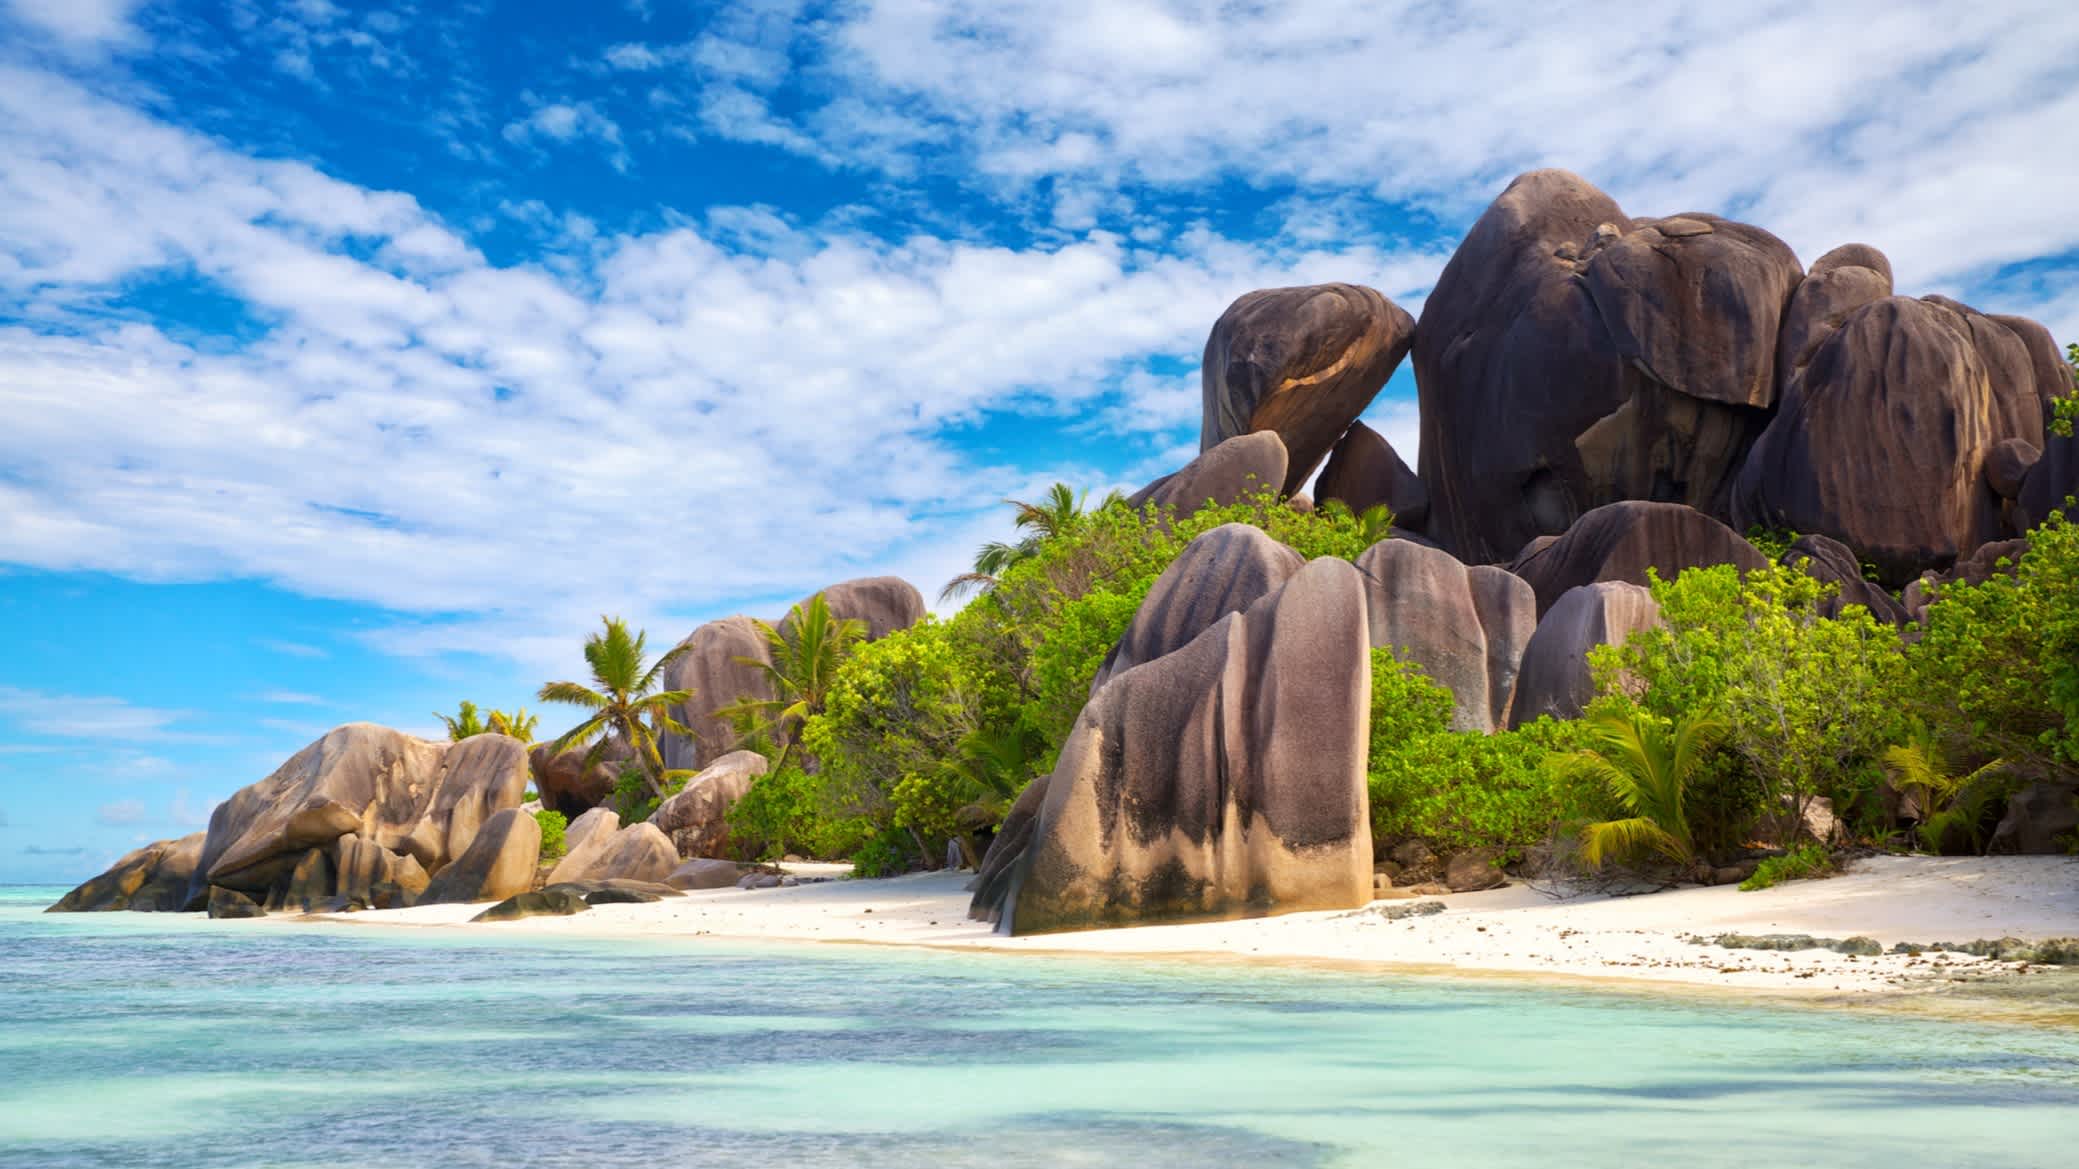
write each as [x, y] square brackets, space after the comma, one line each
[1223, 571]
[1830, 560]
[638, 852]
[1224, 779]
[1555, 678]
[1570, 356]
[696, 817]
[1882, 438]
[1465, 627]
[705, 873]
[499, 863]
[2039, 820]
[2052, 479]
[567, 784]
[1620, 541]
[1364, 470]
[1303, 362]
[585, 841]
[404, 794]
[1236, 469]
[720, 665]
[884, 604]
[152, 879]
[374, 876]
[1838, 283]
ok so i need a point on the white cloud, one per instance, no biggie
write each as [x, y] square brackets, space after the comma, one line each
[97, 717]
[679, 426]
[81, 24]
[120, 813]
[289, 698]
[1823, 122]
[293, 649]
[563, 123]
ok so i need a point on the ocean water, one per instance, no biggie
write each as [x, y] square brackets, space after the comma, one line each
[144, 1040]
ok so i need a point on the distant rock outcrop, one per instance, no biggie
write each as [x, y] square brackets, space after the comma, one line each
[695, 819]
[1620, 541]
[1555, 678]
[1465, 627]
[152, 879]
[638, 852]
[1302, 362]
[1830, 560]
[1364, 470]
[884, 604]
[1223, 779]
[567, 784]
[1234, 470]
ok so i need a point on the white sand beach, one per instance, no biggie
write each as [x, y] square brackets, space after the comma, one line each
[1513, 931]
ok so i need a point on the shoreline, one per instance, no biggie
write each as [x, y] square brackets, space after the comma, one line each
[1513, 935]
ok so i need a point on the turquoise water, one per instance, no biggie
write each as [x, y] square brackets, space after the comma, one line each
[143, 1040]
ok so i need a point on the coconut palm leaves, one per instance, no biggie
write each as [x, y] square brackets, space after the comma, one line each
[806, 648]
[519, 724]
[623, 700]
[467, 723]
[1948, 804]
[1645, 765]
[1057, 512]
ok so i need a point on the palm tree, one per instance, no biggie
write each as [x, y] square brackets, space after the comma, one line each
[1948, 803]
[466, 723]
[624, 701]
[519, 724]
[1058, 512]
[807, 648]
[1646, 766]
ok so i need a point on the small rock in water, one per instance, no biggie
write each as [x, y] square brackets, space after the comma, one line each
[554, 901]
[230, 903]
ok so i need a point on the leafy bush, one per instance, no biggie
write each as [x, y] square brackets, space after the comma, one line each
[1997, 667]
[784, 812]
[553, 824]
[884, 854]
[1809, 860]
[1809, 702]
[632, 797]
[1460, 789]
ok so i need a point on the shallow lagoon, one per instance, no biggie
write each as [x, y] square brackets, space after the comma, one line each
[135, 1040]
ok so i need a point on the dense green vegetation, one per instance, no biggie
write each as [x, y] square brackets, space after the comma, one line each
[469, 722]
[623, 703]
[553, 826]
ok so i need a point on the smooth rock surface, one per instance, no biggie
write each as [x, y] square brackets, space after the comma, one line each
[1224, 779]
[1303, 362]
[695, 819]
[1234, 470]
[705, 873]
[1223, 571]
[1555, 678]
[151, 879]
[567, 784]
[1364, 471]
[499, 863]
[1620, 541]
[638, 852]
[1428, 607]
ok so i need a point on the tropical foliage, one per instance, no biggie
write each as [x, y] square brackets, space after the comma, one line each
[623, 702]
[807, 648]
[468, 722]
[1646, 766]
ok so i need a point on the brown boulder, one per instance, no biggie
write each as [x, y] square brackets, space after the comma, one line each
[1236, 469]
[1223, 571]
[639, 852]
[1620, 541]
[375, 876]
[1303, 362]
[1425, 604]
[567, 785]
[1473, 870]
[1364, 471]
[1555, 678]
[2051, 480]
[720, 666]
[152, 879]
[230, 903]
[1224, 779]
[1570, 357]
[584, 842]
[695, 819]
[2040, 820]
[884, 604]
[1881, 441]
[705, 873]
[1830, 560]
[1840, 282]
[499, 863]
[404, 794]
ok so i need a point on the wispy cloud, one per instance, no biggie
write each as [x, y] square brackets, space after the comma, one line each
[120, 814]
[293, 649]
[81, 25]
[289, 698]
[42, 850]
[92, 717]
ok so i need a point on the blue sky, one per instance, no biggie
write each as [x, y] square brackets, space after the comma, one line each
[354, 358]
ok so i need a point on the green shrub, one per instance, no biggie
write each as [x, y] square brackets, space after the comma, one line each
[1809, 702]
[631, 798]
[1809, 860]
[1460, 789]
[553, 824]
[785, 812]
[884, 854]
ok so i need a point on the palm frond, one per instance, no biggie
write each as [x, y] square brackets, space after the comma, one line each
[572, 694]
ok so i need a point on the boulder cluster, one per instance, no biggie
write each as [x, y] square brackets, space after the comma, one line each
[1603, 397]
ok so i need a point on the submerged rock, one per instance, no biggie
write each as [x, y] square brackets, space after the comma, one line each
[230, 903]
